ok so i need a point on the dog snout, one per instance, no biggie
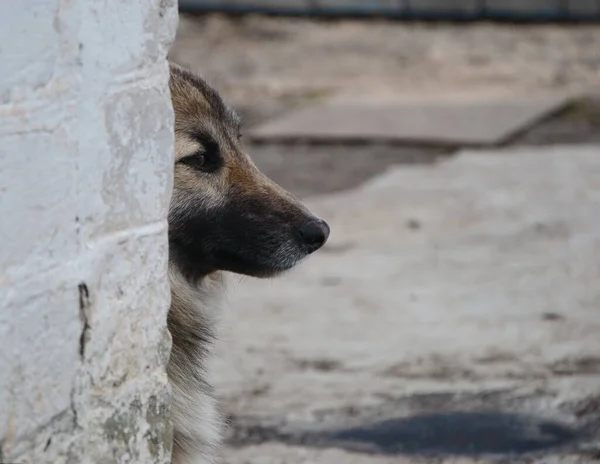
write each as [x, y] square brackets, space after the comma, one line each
[314, 234]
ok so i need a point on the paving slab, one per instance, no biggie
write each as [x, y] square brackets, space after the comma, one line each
[476, 275]
[483, 121]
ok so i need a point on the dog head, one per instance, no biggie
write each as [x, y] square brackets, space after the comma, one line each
[225, 214]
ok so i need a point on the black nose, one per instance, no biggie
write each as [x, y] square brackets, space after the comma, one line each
[314, 234]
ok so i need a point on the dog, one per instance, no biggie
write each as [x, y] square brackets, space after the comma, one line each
[224, 216]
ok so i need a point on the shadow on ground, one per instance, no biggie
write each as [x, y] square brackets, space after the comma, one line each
[459, 433]
[497, 423]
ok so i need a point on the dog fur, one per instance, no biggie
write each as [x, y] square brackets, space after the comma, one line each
[225, 215]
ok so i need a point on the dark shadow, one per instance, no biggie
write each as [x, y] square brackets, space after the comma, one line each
[461, 433]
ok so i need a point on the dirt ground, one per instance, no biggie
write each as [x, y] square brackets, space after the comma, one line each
[252, 58]
[266, 66]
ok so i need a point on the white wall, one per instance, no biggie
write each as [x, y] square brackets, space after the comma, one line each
[85, 179]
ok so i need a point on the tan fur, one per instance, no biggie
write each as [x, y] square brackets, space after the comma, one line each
[223, 216]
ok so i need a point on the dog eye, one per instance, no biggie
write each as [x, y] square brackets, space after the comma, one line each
[196, 161]
[207, 159]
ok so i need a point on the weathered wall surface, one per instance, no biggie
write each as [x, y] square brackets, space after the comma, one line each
[85, 180]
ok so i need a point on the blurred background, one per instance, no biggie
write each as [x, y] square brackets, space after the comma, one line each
[269, 65]
[454, 148]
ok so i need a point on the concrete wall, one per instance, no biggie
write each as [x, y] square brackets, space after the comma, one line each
[85, 178]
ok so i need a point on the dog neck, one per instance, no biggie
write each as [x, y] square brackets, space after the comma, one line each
[195, 310]
[201, 296]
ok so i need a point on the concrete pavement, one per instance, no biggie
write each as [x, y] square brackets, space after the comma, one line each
[476, 276]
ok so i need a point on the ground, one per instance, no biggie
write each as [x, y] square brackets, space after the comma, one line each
[266, 66]
[253, 59]
[453, 316]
